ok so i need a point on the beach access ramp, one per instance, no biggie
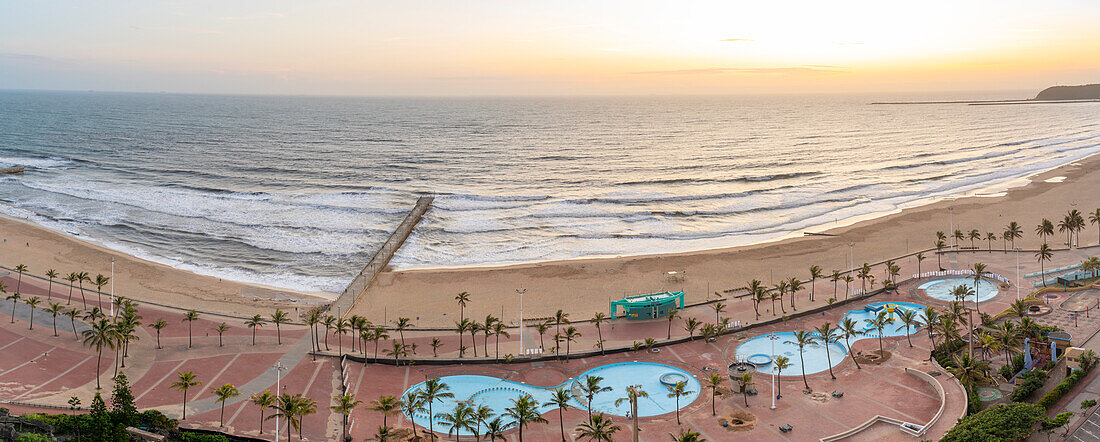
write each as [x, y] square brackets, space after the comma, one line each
[381, 258]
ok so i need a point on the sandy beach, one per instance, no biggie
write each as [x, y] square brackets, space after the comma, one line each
[41, 249]
[582, 287]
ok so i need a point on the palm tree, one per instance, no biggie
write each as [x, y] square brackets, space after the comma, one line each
[473, 329]
[462, 299]
[224, 393]
[979, 270]
[1094, 218]
[341, 328]
[908, 319]
[930, 317]
[990, 237]
[99, 282]
[781, 363]
[756, 289]
[401, 324]
[278, 318]
[864, 275]
[560, 399]
[847, 285]
[313, 317]
[481, 416]
[253, 323]
[973, 235]
[461, 327]
[687, 436]
[959, 236]
[304, 407]
[494, 429]
[673, 314]
[598, 319]
[1008, 336]
[158, 326]
[591, 387]
[571, 335]
[413, 405]
[718, 307]
[379, 334]
[220, 329]
[524, 411]
[559, 318]
[1014, 231]
[14, 298]
[190, 317]
[52, 274]
[460, 418]
[186, 380]
[677, 391]
[387, 405]
[920, 258]
[81, 278]
[633, 393]
[54, 309]
[263, 400]
[745, 380]
[598, 428]
[690, 326]
[794, 285]
[498, 331]
[72, 314]
[436, 343]
[542, 327]
[827, 335]
[815, 272]
[713, 382]
[1044, 229]
[939, 251]
[434, 390]
[969, 371]
[71, 278]
[397, 351]
[802, 339]
[32, 302]
[20, 268]
[487, 328]
[780, 291]
[102, 334]
[1043, 255]
[879, 322]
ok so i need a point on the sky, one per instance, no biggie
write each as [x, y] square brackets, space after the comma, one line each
[563, 47]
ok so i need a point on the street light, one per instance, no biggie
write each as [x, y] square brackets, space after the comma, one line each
[521, 292]
[852, 255]
[1017, 273]
[772, 338]
[278, 379]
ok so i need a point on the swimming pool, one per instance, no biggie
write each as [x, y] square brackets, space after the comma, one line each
[814, 355]
[497, 393]
[941, 288]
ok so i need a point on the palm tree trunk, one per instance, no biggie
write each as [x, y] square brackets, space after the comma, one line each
[802, 361]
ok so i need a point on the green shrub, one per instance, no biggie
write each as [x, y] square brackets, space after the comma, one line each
[973, 403]
[1061, 389]
[31, 437]
[1086, 404]
[199, 437]
[1027, 384]
[1007, 423]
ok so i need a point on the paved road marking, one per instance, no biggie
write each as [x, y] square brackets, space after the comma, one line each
[28, 362]
[238, 412]
[170, 372]
[13, 342]
[55, 377]
[212, 384]
[677, 355]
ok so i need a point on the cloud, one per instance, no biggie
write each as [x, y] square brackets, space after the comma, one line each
[24, 57]
[736, 39]
[254, 17]
[176, 29]
[845, 43]
[797, 70]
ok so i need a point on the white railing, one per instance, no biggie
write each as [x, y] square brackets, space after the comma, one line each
[967, 273]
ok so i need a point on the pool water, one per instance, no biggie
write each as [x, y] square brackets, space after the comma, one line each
[814, 355]
[498, 393]
[941, 288]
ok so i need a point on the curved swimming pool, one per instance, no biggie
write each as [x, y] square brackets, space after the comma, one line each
[941, 288]
[497, 393]
[814, 355]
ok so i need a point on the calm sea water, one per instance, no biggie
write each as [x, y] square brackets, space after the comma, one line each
[298, 191]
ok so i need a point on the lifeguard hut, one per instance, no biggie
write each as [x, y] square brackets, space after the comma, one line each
[653, 305]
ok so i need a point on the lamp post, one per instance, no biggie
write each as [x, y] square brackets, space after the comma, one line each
[772, 338]
[951, 222]
[521, 292]
[112, 286]
[851, 255]
[1017, 273]
[278, 380]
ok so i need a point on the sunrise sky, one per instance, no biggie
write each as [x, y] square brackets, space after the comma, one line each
[547, 48]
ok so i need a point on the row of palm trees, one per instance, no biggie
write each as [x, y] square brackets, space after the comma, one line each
[482, 420]
[1072, 223]
[292, 407]
[78, 278]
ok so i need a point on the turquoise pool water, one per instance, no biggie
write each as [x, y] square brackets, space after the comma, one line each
[941, 288]
[814, 355]
[498, 393]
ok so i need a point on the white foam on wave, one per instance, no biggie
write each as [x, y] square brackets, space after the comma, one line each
[37, 163]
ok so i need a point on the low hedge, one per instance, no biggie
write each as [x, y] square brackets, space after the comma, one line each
[1029, 383]
[1062, 388]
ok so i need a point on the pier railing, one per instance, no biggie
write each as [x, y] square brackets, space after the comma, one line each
[381, 258]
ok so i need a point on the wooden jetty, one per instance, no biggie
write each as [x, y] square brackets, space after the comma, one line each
[11, 171]
[381, 258]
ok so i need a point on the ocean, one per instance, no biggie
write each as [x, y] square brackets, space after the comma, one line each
[297, 192]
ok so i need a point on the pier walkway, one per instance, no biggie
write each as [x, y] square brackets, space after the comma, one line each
[381, 258]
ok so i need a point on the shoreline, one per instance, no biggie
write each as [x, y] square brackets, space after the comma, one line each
[585, 285]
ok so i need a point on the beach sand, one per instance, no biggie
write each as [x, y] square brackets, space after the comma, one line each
[41, 249]
[582, 287]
